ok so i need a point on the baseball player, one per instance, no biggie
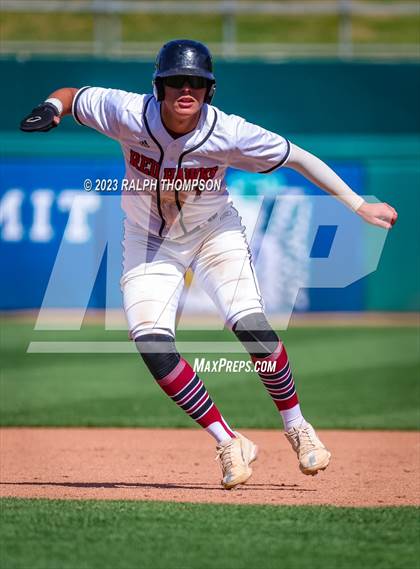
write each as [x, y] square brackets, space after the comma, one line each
[177, 147]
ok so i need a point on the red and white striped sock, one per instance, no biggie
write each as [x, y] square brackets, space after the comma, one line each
[281, 387]
[184, 387]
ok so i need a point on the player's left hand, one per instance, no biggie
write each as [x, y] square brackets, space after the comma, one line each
[41, 119]
[380, 214]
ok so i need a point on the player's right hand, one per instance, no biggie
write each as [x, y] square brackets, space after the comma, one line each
[380, 214]
[42, 118]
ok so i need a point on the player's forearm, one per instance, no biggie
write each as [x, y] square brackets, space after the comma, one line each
[65, 96]
[320, 174]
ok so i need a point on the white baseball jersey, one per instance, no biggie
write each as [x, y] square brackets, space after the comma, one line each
[157, 165]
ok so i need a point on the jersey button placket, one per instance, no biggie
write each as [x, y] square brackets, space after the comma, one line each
[172, 152]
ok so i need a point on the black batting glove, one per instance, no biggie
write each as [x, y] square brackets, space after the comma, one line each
[41, 119]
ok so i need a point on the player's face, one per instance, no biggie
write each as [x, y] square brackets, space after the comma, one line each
[184, 96]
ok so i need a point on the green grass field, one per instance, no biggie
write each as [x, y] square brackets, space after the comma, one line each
[157, 535]
[359, 378]
[209, 28]
[347, 378]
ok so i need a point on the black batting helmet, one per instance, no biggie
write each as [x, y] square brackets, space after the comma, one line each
[183, 57]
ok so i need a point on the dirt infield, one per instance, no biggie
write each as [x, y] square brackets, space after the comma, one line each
[369, 468]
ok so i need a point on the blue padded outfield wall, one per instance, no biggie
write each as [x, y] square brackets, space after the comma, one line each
[362, 119]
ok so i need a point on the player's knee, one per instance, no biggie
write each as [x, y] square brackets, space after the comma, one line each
[256, 334]
[158, 352]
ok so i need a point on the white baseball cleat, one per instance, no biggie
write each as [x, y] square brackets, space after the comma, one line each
[311, 453]
[235, 456]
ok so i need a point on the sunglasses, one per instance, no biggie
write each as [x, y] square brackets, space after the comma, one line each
[178, 81]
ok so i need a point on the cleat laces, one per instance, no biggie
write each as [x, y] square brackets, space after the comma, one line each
[304, 440]
[230, 456]
[224, 456]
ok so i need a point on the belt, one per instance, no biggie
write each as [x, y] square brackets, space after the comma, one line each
[198, 227]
